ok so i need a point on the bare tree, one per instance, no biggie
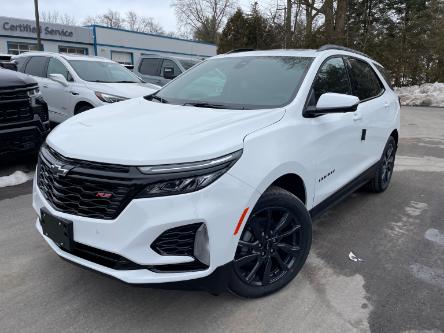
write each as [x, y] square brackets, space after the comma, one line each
[204, 17]
[111, 19]
[56, 17]
[135, 22]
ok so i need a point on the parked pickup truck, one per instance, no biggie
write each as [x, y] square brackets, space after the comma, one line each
[24, 119]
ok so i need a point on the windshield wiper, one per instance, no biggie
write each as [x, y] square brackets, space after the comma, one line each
[207, 105]
[127, 81]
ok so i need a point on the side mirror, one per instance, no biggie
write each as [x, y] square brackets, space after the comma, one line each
[334, 103]
[59, 78]
[168, 73]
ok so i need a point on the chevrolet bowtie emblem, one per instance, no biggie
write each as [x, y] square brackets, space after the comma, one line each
[60, 170]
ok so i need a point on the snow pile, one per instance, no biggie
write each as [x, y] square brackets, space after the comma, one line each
[18, 177]
[428, 94]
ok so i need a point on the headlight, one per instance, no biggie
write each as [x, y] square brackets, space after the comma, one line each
[109, 98]
[34, 92]
[182, 178]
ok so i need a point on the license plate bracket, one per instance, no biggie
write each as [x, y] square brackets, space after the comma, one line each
[59, 230]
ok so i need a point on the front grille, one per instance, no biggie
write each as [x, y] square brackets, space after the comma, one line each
[117, 262]
[177, 241]
[22, 141]
[104, 258]
[78, 191]
[15, 106]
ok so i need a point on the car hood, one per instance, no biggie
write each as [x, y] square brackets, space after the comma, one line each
[140, 132]
[13, 79]
[128, 90]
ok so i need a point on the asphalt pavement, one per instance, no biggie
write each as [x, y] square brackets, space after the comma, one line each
[397, 287]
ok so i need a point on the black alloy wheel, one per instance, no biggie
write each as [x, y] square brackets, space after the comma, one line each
[273, 246]
[388, 163]
[384, 173]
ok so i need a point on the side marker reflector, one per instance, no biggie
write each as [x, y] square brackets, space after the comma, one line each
[241, 219]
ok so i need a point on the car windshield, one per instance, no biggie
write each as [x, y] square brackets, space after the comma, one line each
[249, 82]
[103, 71]
[188, 63]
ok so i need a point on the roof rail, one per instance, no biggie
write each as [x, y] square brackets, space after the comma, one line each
[342, 48]
[240, 50]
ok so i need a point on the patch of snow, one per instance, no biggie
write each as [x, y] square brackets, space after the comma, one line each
[427, 94]
[18, 177]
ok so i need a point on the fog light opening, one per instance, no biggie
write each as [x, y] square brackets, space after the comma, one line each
[201, 245]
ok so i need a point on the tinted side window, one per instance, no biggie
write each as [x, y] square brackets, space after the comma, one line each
[385, 74]
[21, 63]
[56, 67]
[332, 77]
[150, 66]
[170, 63]
[36, 66]
[365, 83]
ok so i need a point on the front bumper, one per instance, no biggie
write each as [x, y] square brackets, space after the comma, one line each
[130, 235]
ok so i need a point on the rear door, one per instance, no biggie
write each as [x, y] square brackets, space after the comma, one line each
[149, 69]
[373, 111]
[169, 63]
[337, 137]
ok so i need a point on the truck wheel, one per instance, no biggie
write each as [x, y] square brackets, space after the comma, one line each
[273, 246]
[385, 168]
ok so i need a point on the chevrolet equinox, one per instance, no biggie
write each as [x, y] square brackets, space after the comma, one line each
[213, 181]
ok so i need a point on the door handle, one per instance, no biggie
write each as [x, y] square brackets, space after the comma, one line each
[357, 116]
[74, 93]
[386, 105]
[45, 86]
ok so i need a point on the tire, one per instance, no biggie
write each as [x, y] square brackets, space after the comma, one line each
[384, 173]
[273, 246]
[83, 109]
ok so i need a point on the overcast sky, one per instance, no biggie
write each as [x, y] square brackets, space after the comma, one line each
[160, 10]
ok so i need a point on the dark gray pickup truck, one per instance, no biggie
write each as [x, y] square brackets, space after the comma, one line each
[24, 121]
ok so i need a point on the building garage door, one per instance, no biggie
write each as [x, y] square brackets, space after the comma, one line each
[124, 58]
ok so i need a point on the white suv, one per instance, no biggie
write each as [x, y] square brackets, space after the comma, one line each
[217, 176]
[71, 84]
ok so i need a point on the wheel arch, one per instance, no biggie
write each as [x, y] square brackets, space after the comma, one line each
[81, 104]
[395, 135]
[292, 183]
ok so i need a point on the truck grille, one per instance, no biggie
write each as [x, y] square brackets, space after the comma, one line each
[22, 141]
[15, 106]
[89, 189]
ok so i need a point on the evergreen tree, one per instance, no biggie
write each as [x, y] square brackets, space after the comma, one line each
[233, 35]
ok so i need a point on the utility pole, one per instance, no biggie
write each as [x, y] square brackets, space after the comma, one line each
[37, 25]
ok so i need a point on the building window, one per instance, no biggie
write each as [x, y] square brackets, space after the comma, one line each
[124, 58]
[20, 47]
[73, 50]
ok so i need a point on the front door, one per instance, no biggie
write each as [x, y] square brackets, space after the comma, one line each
[59, 97]
[337, 135]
